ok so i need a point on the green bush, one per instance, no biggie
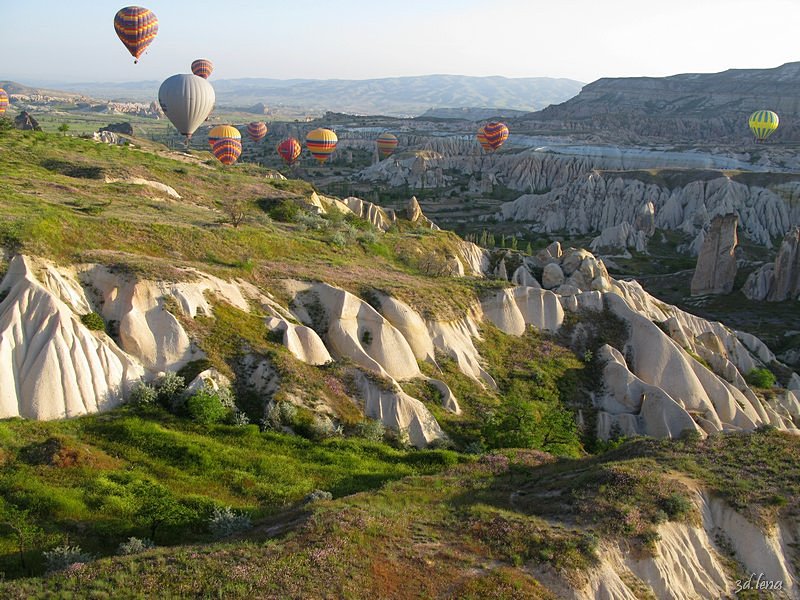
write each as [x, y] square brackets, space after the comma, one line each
[761, 378]
[93, 321]
[62, 557]
[206, 407]
[370, 429]
[170, 387]
[143, 393]
[285, 211]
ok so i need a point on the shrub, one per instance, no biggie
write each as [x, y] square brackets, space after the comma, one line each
[134, 546]
[62, 557]
[279, 414]
[239, 419]
[170, 387]
[93, 321]
[226, 521]
[316, 496]
[285, 211]
[761, 378]
[370, 429]
[205, 406]
[323, 427]
[676, 506]
[143, 393]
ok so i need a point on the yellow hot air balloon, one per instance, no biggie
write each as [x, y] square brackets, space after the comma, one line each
[219, 132]
[387, 144]
[321, 143]
[763, 124]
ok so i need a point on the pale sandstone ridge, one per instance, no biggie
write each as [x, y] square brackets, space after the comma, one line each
[156, 185]
[780, 280]
[716, 264]
[51, 365]
[689, 561]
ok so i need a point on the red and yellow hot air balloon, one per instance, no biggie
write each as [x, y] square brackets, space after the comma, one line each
[483, 141]
[321, 143]
[202, 67]
[220, 132]
[257, 130]
[3, 101]
[227, 150]
[136, 27]
[290, 150]
[387, 144]
[494, 134]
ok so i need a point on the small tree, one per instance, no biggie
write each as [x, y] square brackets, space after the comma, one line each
[156, 506]
[26, 532]
[235, 210]
[64, 128]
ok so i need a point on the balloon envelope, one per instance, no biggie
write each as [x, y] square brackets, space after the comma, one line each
[219, 132]
[495, 134]
[202, 67]
[257, 131]
[187, 101]
[763, 124]
[321, 143]
[3, 101]
[387, 144]
[227, 150]
[483, 141]
[290, 150]
[137, 27]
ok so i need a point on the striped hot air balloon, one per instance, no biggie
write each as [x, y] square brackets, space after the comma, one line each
[3, 101]
[227, 150]
[495, 133]
[387, 144]
[290, 150]
[219, 132]
[256, 130]
[763, 124]
[202, 67]
[483, 141]
[136, 27]
[321, 143]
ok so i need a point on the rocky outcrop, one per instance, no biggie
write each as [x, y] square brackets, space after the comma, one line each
[716, 265]
[511, 310]
[51, 365]
[303, 342]
[156, 185]
[779, 281]
[26, 122]
[415, 215]
[597, 201]
[620, 238]
[379, 217]
[474, 260]
[124, 128]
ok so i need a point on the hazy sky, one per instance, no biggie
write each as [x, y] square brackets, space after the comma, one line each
[74, 41]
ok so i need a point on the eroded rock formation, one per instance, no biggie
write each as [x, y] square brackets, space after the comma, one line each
[716, 264]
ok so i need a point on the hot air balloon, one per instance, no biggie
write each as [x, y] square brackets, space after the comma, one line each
[290, 150]
[187, 101]
[763, 124]
[220, 132]
[256, 130]
[202, 67]
[495, 133]
[387, 144]
[321, 143]
[227, 150]
[136, 27]
[483, 141]
[3, 101]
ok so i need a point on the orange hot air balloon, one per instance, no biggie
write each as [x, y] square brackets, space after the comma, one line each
[3, 101]
[136, 27]
[220, 132]
[227, 150]
[483, 141]
[387, 144]
[257, 131]
[202, 67]
[290, 150]
[495, 134]
[321, 143]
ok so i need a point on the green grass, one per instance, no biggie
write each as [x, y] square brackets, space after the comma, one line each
[78, 478]
[462, 531]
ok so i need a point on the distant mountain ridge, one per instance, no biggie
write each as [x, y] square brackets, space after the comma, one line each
[396, 96]
[693, 106]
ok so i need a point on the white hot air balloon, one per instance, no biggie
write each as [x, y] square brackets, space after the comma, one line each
[187, 100]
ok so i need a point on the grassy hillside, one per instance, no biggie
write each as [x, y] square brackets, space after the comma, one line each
[475, 530]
